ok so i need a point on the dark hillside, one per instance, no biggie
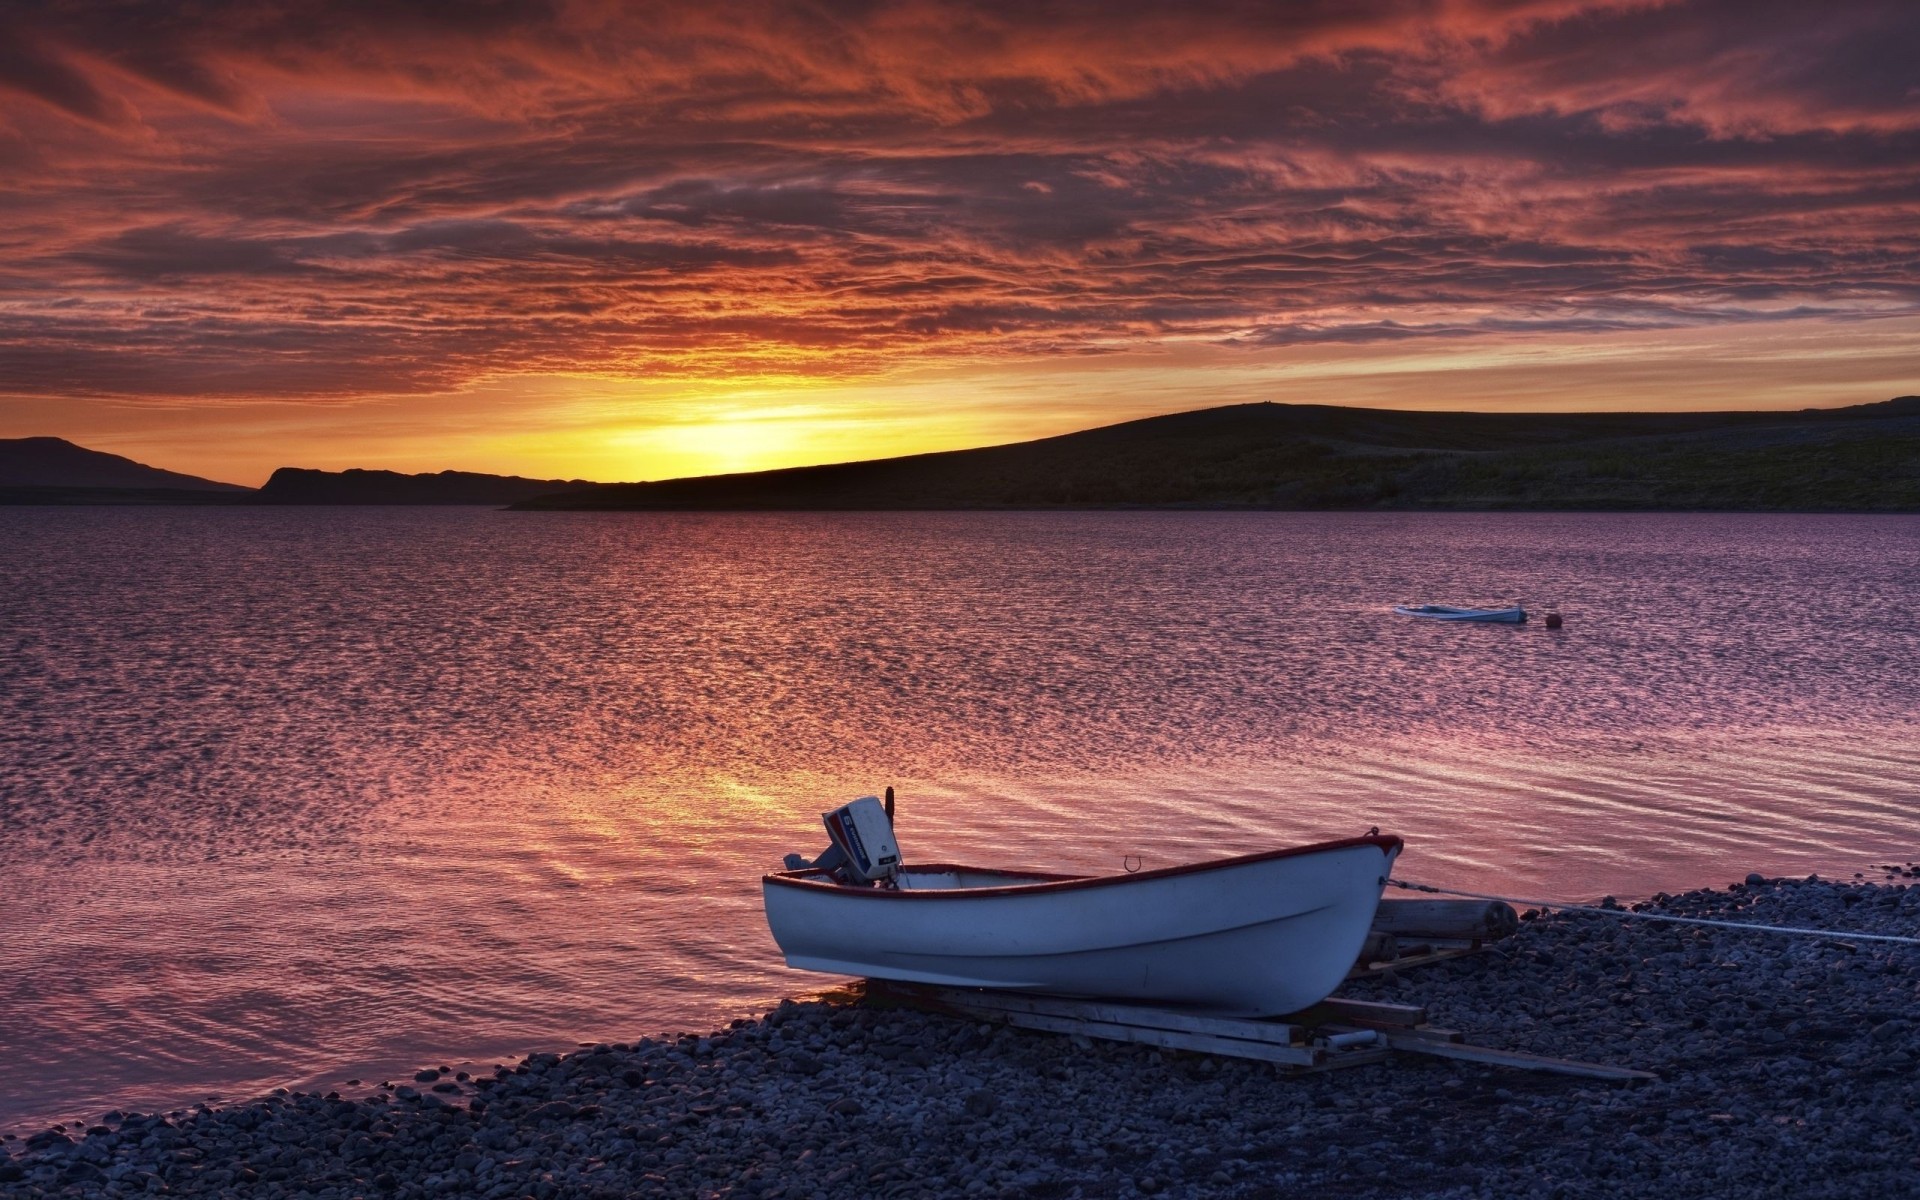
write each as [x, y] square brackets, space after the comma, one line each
[298, 485]
[1866, 457]
[51, 462]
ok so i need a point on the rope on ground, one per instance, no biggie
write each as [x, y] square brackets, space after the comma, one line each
[1629, 914]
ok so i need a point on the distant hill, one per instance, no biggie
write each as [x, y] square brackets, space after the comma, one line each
[298, 485]
[55, 463]
[1862, 458]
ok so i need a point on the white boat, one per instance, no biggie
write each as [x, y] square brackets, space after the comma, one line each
[1447, 612]
[1256, 935]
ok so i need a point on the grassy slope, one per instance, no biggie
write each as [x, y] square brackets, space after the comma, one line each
[1287, 456]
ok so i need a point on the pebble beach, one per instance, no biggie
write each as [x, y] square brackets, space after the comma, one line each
[1785, 1065]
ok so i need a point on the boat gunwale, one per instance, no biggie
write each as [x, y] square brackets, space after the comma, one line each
[810, 877]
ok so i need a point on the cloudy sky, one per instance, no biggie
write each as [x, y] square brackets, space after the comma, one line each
[629, 241]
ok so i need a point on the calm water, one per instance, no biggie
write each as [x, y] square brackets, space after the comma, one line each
[288, 797]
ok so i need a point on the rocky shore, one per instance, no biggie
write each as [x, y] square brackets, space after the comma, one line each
[1787, 1067]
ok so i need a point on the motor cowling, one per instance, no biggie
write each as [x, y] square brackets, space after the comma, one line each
[863, 834]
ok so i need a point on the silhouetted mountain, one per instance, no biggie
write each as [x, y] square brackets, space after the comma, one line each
[297, 485]
[51, 462]
[1866, 457]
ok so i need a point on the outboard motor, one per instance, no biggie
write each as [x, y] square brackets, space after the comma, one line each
[861, 831]
[863, 850]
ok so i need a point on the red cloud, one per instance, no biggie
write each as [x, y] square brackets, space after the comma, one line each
[334, 199]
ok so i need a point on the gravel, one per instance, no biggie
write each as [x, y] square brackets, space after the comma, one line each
[1787, 1067]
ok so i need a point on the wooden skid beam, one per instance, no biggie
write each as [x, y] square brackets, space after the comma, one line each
[1433, 955]
[1170, 1039]
[1285, 1042]
[1274, 1032]
[1407, 955]
[1262, 1041]
[1362, 1012]
[1512, 1058]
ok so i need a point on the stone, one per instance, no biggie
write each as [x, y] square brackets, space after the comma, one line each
[801, 1063]
[942, 1107]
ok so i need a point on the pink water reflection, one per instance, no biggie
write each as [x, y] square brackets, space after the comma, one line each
[293, 797]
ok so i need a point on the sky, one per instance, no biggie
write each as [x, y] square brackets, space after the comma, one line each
[631, 241]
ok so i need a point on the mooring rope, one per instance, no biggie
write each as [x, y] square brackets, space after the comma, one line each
[1835, 935]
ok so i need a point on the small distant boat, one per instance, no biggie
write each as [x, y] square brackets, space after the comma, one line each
[1447, 612]
[1256, 935]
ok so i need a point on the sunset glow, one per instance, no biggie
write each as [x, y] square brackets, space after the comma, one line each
[626, 241]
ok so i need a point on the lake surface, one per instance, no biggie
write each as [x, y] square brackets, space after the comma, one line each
[289, 797]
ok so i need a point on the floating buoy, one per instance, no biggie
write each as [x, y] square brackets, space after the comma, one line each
[1553, 620]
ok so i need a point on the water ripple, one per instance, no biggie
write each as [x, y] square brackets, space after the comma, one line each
[292, 796]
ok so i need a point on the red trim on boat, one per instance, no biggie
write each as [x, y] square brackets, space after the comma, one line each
[810, 878]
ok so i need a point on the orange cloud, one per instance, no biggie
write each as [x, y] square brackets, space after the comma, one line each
[323, 202]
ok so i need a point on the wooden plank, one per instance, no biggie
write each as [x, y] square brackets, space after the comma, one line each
[1414, 956]
[1273, 1032]
[1513, 1058]
[1359, 1012]
[1369, 1012]
[1357, 1056]
[1170, 1039]
[1425, 1033]
[1232, 1037]
[1403, 1028]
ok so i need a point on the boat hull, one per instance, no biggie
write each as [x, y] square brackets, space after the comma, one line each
[1442, 612]
[1264, 934]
